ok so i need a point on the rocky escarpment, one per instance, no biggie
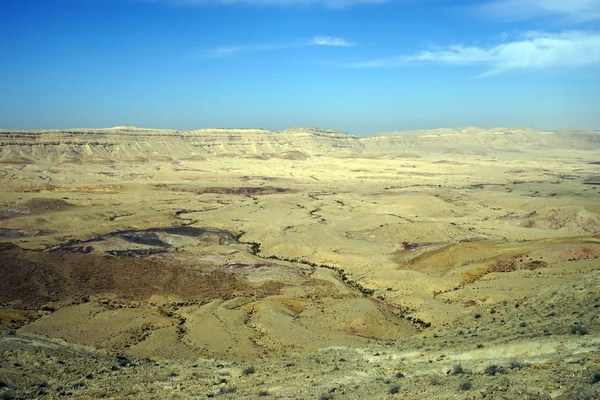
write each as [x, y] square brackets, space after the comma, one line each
[137, 145]
[130, 144]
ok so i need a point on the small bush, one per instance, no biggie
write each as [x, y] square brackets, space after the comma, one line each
[434, 381]
[458, 369]
[226, 389]
[578, 329]
[395, 389]
[595, 378]
[263, 393]
[249, 371]
[123, 361]
[466, 385]
[327, 396]
[515, 364]
[492, 370]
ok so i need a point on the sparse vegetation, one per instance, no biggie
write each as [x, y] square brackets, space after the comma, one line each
[227, 389]
[123, 361]
[249, 370]
[466, 385]
[516, 364]
[579, 329]
[458, 369]
[493, 370]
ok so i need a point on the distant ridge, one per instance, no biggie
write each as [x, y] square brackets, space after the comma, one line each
[129, 143]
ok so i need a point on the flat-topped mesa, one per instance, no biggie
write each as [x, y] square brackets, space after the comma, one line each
[133, 144]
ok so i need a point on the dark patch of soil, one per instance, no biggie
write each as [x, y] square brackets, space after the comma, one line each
[242, 190]
[136, 253]
[12, 233]
[416, 246]
[290, 155]
[41, 204]
[148, 237]
[31, 279]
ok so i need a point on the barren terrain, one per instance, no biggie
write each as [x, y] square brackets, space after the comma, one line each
[149, 264]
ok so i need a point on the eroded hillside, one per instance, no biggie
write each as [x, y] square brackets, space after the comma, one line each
[239, 262]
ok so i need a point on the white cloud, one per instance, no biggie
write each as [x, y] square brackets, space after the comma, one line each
[537, 50]
[330, 41]
[326, 41]
[572, 10]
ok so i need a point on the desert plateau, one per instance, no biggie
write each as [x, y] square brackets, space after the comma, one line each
[458, 263]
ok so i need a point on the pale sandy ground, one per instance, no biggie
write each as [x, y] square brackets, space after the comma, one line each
[492, 245]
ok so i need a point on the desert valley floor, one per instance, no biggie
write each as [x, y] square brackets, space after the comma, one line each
[301, 264]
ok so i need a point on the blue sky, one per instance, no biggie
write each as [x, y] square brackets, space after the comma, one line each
[362, 66]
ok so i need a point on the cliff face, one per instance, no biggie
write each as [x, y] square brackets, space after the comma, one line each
[130, 144]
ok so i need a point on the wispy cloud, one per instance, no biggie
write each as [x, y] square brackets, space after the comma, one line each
[535, 51]
[327, 3]
[325, 41]
[577, 11]
[330, 41]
